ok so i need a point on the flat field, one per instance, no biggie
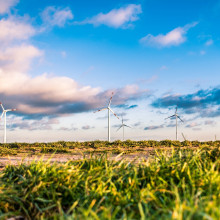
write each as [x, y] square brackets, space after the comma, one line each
[118, 180]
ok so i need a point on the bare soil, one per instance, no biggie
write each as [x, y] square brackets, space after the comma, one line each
[61, 158]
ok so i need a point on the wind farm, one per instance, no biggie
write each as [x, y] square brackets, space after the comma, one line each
[109, 110]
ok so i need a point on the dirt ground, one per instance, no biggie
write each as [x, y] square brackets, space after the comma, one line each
[61, 158]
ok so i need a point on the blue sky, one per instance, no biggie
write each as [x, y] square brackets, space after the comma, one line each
[61, 60]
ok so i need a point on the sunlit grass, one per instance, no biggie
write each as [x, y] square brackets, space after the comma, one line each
[116, 147]
[182, 185]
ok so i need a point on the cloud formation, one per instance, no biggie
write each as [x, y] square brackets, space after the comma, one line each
[12, 29]
[46, 94]
[16, 53]
[203, 102]
[13, 61]
[72, 128]
[193, 124]
[125, 106]
[173, 38]
[87, 127]
[116, 18]
[210, 122]
[56, 17]
[153, 127]
[45, 123]
[5, 5]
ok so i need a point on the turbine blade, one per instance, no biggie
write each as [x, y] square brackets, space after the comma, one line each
[176, 109]
[180, 119]
[2, 115]
[170, 116]
[2, 106]
[11, 110]
[113, 113]
[100, 110]
[127, 126]
[119, 128]
[110, 99]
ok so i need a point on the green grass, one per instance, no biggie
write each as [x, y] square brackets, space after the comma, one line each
[182, 185]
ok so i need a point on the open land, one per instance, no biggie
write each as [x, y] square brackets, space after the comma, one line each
[61, 151]
[117, 180]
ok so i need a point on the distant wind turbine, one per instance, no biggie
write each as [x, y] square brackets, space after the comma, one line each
[176, 116]
[4, 114]
[109, 109]
[123, 126]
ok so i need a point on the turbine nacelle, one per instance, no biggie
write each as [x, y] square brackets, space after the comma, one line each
[7, 110]
[175, 115]
[123, 125]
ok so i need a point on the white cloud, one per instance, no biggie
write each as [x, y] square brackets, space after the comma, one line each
[5, 5]
[173, 38]
[13, 29]
[56, 17]
[16, 53]
[18, 58]
[117, 18]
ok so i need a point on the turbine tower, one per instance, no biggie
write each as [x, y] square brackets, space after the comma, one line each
[109, 109]
[177, 117]
[123, 126]
[4, 114]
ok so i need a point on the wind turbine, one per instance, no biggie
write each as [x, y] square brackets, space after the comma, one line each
[177, 117]
[123, 126]
[4, 114]
[109, 109]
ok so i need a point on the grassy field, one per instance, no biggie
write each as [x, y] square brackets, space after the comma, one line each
[116, 147]
[182, 183]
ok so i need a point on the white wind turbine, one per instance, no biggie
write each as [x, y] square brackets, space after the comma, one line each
[123, 126]
[109, 109]
[177, 117]
[4, 114]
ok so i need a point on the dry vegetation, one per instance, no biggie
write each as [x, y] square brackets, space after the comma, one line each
[116, 147]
